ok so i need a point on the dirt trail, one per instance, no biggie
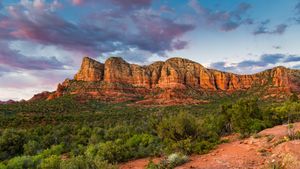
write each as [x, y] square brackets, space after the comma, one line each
[250, 153]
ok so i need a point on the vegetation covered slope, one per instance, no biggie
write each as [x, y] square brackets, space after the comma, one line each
[65, 133]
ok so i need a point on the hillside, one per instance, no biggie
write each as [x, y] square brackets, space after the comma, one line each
[268, 148]
[175, 81]
[66, 133]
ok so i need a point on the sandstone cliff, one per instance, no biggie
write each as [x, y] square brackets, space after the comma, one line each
[176, 78]
[90, 70]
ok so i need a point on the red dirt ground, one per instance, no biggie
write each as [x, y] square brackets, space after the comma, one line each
[250, 153]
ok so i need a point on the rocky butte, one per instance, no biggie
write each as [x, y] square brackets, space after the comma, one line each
[175, 81]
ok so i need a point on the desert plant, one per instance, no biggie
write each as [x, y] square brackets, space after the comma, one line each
[170, 162]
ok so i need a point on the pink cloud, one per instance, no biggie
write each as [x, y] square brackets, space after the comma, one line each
[39, 4]
[77, 2]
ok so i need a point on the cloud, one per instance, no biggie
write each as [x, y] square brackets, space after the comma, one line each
[133, 55]
[127, 4]
[24, 84]
[223, 66]
[251, 63]
[277, 47]
[123, 4]
[296, 67]
[104, 32]
[297, 8]
[263, 62]
[158, 34]
[41, 5]
[37, 42]
[280, 29]
[297, 12]
[4, 69]
[13, 58]
[77, 2]
[263, 28]
[229, 26]
[224, 20]
[272, 58]
[292, 58]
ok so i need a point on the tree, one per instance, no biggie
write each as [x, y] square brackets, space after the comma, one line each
[246, 116]
[20, 162]
[11, 143]
[294, 98]
[179, 127]
[31, 147]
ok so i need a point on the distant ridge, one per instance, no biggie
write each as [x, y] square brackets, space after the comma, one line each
[175, 81]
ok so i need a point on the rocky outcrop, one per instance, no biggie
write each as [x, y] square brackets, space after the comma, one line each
[90, 70]
[117, 79]
[41, 96]
[10, 102]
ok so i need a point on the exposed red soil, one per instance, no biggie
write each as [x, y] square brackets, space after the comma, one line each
[279, 131]
[138, 164]
[254, 152]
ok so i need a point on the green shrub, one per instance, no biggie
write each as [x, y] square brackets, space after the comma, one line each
[31, 148]
[100, 164]
[176, 159]
[20, 162]
[183, 132]
[75, 163]
[81, 162]
[172, 161]
[179, 127]
[137, 146]
[113, 151]
[2, 166]
[52, 162]
[11, 143]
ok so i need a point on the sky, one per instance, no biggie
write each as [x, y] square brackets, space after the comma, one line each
[42, 42]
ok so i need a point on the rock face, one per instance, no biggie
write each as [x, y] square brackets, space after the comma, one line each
[9, 102]
[41, 96]
[90, 70]
[176, 78]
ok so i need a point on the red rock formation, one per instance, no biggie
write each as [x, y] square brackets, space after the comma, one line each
[10, 102]
[118, 80]
[41, 96]
[90, 70]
